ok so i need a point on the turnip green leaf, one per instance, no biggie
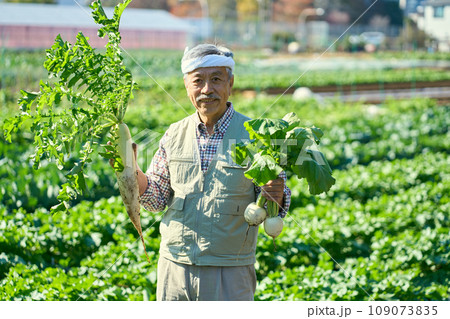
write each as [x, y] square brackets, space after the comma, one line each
[263, 169]
[281, 144]
[316, 170]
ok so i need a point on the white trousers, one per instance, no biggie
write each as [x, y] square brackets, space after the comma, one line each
[178, 281]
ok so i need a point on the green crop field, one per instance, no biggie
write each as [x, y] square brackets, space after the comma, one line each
[382, 232]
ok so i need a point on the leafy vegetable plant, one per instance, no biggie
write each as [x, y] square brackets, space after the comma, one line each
[97, 87]
[278, 145]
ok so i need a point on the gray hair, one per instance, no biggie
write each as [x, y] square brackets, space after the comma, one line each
[205, 49]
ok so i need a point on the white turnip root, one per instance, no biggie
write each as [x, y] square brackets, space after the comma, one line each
[273, 226]
[127, 180]
[254, 214]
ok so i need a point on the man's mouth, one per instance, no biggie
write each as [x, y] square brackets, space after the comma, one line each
[207, 99]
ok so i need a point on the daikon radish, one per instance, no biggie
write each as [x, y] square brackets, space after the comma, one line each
[127, 179]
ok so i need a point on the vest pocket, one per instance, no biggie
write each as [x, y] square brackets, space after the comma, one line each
[172, 225]
[177, 202]
[229, 229]
[234, 180]
[184, 173]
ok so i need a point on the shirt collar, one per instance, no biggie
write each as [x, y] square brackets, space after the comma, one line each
[222, 123]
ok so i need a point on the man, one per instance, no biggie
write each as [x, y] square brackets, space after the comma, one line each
[205, 253]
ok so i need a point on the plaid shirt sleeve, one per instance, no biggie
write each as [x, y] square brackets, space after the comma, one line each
[287, 196]
[157, 194]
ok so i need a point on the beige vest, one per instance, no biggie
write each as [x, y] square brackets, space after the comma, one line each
[204, 224]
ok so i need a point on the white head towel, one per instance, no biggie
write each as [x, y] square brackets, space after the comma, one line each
[207, 61]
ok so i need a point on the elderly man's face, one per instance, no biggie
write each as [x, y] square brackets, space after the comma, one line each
[209, 89]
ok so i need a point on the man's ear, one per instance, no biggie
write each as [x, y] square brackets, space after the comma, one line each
[185, 81]
[231, 82]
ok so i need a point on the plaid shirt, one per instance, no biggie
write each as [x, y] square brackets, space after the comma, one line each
[157, 194]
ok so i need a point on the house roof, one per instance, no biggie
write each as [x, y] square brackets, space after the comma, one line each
[436, 3]
[32, 14]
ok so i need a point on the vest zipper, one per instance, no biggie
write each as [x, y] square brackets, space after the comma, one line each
[196, 247]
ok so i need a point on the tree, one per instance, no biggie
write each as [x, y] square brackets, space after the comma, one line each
[154, 4]
[290, 10]
[143, 4]
[247, 9]
[222, 9]
[411, 37]
[355, 9]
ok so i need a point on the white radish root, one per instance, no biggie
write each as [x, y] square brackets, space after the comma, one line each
[127, 180]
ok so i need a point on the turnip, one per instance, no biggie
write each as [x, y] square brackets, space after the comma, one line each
[255, 212]
[254, 215]
[273, 226]
[278, 145]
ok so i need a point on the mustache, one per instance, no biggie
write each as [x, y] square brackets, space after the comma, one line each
[204, 97]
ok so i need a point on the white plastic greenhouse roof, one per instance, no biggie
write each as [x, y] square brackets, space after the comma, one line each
[32, 14]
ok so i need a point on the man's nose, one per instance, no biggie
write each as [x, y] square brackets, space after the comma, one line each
[207, 88]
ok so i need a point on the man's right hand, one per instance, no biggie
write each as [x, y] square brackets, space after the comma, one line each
[141, 177]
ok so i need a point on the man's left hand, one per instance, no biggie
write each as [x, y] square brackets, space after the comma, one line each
[274, 191]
